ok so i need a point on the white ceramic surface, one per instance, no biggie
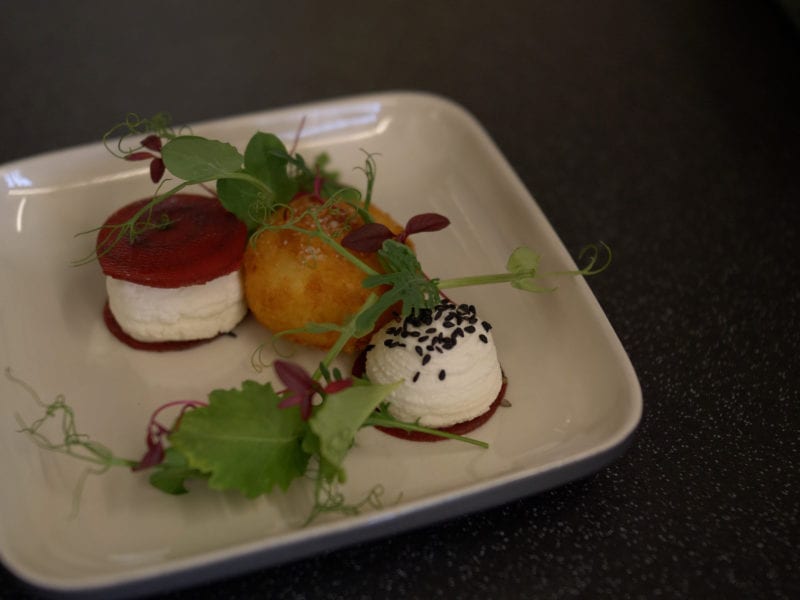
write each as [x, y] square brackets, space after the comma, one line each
[575, 397]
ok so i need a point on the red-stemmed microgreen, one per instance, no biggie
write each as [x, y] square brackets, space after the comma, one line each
[157, 433]
[151, 142]
[155, 129]
[301, 387]
[370, 236]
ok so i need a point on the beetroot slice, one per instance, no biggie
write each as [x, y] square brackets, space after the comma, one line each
[202, 241]
[117, 331]
[358, 370]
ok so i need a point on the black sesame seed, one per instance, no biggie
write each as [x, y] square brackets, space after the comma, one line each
[486, 326]
[416, 376]
[418, 349]
[458, 332]
[424, 338]
[426, 359]
[469, 329]
[448, 324]
[442, 375]
[483, 338]
[430, 330]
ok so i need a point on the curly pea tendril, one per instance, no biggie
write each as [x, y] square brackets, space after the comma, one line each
[73, 443]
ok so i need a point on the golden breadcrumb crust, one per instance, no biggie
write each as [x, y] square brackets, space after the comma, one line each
[292, 279]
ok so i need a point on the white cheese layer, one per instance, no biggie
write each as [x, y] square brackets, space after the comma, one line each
[193, 312]
[447, 362]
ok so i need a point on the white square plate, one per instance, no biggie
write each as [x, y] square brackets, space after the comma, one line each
[575, 397]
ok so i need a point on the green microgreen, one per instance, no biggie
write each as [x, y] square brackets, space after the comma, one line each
[329, 499]
[408, 285]
[523, 269]
[370, 170]
[116, 138]
[383, 418]
[68, 439]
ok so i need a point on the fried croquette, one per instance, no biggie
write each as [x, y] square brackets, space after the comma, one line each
[292, 279]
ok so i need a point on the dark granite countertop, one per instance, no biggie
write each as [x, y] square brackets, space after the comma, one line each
[670, 129]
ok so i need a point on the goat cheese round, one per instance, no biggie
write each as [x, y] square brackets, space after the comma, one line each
[193, 312]
[447, 361]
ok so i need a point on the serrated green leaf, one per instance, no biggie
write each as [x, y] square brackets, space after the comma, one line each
[334, 424]
[243, 440]
[172, 472]
[198, 159]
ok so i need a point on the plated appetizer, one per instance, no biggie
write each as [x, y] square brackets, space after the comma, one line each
[317, 263]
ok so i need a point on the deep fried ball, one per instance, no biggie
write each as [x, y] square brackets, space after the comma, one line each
[292, 279]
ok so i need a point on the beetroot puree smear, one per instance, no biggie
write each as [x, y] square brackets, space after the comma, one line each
[463, 428]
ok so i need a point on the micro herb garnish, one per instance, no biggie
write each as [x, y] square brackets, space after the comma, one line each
[370, 170]
[523, 266]
[157, 433]
[383, 418]
[73, 443]
[301, 388]
[154, 128]
[248, 185]
[370, 236]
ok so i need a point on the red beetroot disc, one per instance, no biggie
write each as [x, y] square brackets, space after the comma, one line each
[202, 241]
[117, 332]
[359, 368]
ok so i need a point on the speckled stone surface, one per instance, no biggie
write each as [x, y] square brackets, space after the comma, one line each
[671, 130]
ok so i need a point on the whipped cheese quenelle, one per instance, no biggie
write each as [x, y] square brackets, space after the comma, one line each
[447, 361]
[192, 312]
